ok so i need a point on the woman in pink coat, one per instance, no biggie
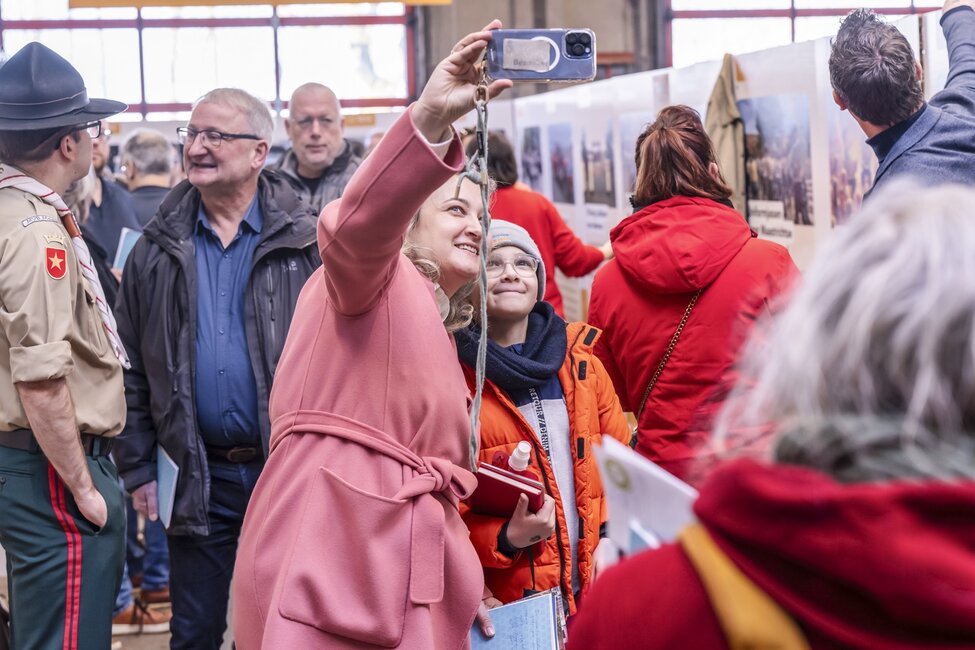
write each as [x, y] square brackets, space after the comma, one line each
[352, 538]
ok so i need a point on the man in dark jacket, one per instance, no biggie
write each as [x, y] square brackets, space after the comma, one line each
[206, 301]
[877, 79]
[320, 161]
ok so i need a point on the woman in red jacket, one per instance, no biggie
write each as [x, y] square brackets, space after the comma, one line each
[544, 386]
[859, 534]
[685, 260]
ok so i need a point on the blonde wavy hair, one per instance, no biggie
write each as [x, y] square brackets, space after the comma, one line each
[461, 311]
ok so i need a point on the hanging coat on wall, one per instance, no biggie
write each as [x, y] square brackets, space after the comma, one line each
[727, 131]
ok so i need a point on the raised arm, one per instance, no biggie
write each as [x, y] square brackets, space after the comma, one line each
[360, 235]
[573, 256]
[958, 23]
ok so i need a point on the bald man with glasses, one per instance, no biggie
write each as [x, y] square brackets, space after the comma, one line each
[206, 300]
[320, 161]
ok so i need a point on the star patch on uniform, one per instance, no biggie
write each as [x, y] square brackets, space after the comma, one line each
[57, 262]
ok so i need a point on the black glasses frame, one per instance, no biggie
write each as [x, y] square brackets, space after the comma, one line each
[187, 135]
[57, 135]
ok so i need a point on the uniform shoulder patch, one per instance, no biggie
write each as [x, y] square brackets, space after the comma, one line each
[56, 238]
[39, 218]
[56, 262]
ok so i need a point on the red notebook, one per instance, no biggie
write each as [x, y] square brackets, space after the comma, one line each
[498, 490]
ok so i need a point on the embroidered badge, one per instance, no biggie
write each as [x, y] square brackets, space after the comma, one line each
[57, 262]
[56, 239]
[38, 218]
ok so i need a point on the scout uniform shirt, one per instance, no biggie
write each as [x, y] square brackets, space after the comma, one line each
[50, 326]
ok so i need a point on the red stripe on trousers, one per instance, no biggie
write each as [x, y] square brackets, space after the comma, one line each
[72, 596]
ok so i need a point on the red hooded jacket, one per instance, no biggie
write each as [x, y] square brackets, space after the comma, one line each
[664, 253]
[871, 566]
[556, 242]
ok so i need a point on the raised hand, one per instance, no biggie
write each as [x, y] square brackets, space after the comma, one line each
[449, 93]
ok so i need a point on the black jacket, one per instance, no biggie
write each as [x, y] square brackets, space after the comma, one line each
[156, 313]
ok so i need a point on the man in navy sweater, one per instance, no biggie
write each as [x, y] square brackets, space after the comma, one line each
[877, 79]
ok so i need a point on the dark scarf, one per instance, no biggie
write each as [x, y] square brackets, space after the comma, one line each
[542, 354]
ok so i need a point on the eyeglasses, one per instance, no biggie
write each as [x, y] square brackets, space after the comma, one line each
[94, 129]
[524, 265]
[306, 123]
[211, 138]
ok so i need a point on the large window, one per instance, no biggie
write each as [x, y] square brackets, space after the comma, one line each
[160, 59]
[702, 30]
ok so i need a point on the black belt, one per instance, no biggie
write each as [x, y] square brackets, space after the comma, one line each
[24, 440]
[235, 454]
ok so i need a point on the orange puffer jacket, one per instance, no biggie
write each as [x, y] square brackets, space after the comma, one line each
[593, 411]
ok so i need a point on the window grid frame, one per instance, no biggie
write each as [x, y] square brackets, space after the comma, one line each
[793, 12]
[407, 20]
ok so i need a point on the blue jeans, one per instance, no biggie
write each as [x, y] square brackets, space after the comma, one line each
[151, 562]
[201, 566]
[124, 597]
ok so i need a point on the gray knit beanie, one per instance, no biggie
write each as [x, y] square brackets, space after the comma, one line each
[505, 233]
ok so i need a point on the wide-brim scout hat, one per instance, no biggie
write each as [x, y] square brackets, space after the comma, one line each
[40, 90]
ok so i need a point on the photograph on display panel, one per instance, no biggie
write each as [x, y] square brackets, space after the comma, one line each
[852, 164]
[778, 164]
[597, 162]
[631, 126]
[560, 157]
[531, 157]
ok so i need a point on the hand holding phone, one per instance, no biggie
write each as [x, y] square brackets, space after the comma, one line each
[542, 55]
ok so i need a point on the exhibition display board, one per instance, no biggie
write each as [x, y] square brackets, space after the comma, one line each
[807, 163]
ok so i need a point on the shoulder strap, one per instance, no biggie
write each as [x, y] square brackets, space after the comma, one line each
[666, 357]
[748, 616]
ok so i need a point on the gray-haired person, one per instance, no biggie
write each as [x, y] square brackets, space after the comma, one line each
[206, 300]
[147, 165]
[321, 160]
[876, 78]
[857, 531]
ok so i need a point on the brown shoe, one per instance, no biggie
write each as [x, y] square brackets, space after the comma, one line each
[154, 596]
[137, 619]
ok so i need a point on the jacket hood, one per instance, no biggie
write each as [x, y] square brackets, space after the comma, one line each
[286, 218]
[679, 245]
[878, 565]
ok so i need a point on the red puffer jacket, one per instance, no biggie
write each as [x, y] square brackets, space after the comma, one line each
[664, 253]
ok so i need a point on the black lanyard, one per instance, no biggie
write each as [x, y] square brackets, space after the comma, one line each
[540, 416]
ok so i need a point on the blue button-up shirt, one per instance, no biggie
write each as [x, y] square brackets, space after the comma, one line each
[226, 392]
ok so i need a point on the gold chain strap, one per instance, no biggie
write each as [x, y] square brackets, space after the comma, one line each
[666, 357]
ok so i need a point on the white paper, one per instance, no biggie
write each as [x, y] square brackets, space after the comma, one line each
[526, 54]
[528, 624]
[126, 241]
[167, 471]
[642, 496]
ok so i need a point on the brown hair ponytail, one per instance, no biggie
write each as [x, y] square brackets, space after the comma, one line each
[673, 156]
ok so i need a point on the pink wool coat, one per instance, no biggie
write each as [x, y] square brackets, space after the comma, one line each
[352, 538]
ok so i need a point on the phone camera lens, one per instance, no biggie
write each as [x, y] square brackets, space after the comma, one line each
[578, 49]
[585, 39]
[572, 39]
